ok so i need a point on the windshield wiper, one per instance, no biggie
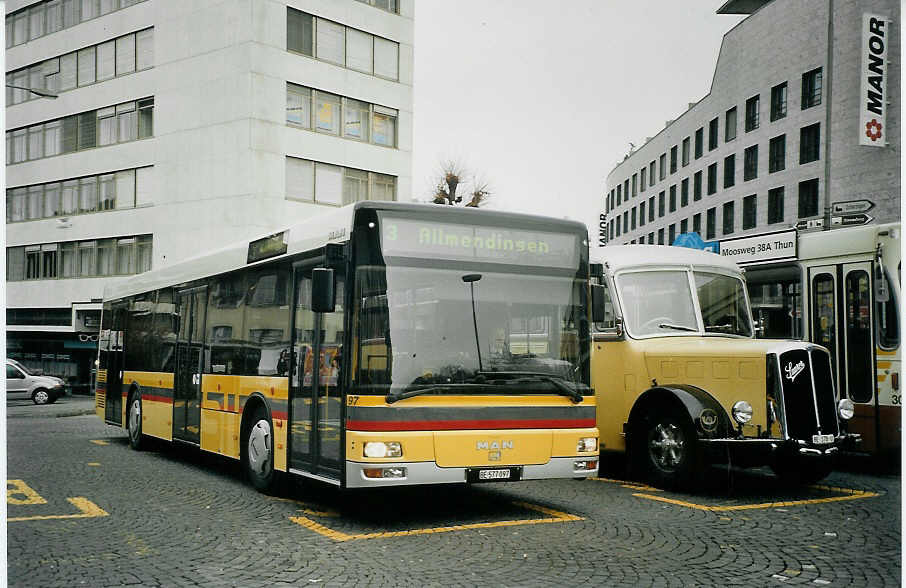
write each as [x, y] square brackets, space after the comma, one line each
[676, 327]
[410, 392]
[563, 388]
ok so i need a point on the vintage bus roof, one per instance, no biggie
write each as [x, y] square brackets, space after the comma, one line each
[620, 257]
[332, 226]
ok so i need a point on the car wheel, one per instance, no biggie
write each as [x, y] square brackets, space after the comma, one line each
[134, 421]
[258, 451]
[40, 396]
[670, 454]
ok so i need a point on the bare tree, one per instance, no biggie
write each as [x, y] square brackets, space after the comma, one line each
[451, 181]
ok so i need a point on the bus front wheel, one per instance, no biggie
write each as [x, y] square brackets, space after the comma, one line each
[258, 451]
[134, 421]
[669, 452]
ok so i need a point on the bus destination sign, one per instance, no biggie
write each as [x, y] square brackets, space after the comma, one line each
[427, 239]
[267, 247]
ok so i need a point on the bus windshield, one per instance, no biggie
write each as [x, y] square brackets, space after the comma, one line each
[460, 331]
[660, 302]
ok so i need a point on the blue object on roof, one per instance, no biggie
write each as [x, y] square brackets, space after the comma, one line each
[690, 240]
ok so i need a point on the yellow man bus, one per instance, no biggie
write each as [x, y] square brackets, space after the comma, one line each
[842, 291]
[380, 344]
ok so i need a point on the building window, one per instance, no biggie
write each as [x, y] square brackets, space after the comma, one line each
[661, 204]
[89, 65]
[712, 179]
[729, 170]
[324, 183]
[711, 223]
[684, 226]
[775, 205]
[632, 218]
[712, 135]
[651, 209]
[750, 163]
[730, 125]
[699, 142]
[635, 178]
[660, 236]
[685, 153]
[312, 109]
[808, 198]
[777, 154]
[697, 223]
[728, 218]
[753, 106]
[651, 238]
[809, 140]
[673, 198]
[684, 192]
[626, 190]
[344, 46]
[388, 5]
[778, 102]
[749, 212]
[644, 174]
[618, 226]
[671, 234]
[673, 159]
[651, 173]
[697, 186]
[663, 166]
[81, 131]
[50, 16]
[642, 213]
[626, 221]
[96, 258]
[811, 88]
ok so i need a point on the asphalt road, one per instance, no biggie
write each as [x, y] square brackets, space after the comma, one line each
[85, 510]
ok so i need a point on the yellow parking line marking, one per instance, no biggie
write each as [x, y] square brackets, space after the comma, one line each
[99, 442]
[310, 511]
[630, 485]
[87, 510]
[852, 495]
[558, 517]
[20, 488]
[93, 463]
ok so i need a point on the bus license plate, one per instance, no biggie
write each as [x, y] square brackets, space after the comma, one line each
[822, 439]
[494, 474]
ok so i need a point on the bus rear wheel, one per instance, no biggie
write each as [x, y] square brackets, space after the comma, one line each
[134, 421]
[258, 451]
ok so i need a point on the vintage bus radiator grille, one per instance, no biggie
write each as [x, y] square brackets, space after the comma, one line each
[805, 379]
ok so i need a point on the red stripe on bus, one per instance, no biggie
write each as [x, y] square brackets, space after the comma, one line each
[276, 414]
[469, 424]
[154, 398]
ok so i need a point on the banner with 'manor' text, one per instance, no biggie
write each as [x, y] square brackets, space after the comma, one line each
[873, 97]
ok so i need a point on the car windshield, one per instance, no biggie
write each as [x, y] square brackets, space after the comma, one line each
[456, 330]
[661, 302]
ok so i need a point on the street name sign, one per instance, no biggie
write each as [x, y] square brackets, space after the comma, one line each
[849, 220]
[851, 206]
[815, 223]
[767, 247]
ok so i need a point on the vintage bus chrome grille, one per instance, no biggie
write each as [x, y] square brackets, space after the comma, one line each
[808, 393]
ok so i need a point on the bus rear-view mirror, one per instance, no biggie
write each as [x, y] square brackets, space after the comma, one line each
[323, 297]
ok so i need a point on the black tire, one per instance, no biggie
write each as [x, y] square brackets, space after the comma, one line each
[802, 473]
[667, 452]
[258, 451]
[41, 396]
[134, 421]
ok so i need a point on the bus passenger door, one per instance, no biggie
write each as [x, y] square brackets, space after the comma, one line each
[189, 364]
[113, 410]
[315, 398]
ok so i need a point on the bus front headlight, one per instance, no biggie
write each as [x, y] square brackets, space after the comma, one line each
[587, 444]
[742, 412]
[383, 449]
[846, 409]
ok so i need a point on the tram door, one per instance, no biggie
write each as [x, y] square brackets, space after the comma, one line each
[189, 364]
[315, 392]
[841, 320]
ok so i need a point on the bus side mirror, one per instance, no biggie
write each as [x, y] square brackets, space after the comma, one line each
[882, 288]
[598, 312]
[323, 297]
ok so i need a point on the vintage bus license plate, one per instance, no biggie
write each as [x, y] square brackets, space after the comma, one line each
[822, 439]
[494, 475]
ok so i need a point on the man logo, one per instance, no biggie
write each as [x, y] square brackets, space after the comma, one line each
[488, 445]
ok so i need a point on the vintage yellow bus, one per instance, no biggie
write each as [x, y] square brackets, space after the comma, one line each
[380, 344]
[682, 382]
[842, 291]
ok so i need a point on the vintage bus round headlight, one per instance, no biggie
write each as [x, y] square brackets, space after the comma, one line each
[742, 412]
[846, 409]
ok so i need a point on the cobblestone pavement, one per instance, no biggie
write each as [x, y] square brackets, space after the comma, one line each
[111, 516]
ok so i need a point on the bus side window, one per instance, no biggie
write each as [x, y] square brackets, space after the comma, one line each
[609, 324]
[888, 321]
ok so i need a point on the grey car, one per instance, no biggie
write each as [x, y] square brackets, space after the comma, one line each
[21, 383]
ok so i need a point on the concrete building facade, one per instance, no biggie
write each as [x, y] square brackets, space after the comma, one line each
[180, 127]
[778, 138]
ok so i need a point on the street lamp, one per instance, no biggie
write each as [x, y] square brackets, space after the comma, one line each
[41, 93]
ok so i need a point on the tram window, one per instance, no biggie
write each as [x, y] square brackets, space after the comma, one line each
[777, 308]
[858, 336]
[824, 313]
[888, 322]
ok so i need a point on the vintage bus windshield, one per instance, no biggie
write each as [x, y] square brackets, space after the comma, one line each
[416, 327]
[660, 302]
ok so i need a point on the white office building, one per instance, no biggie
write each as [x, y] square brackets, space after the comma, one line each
[178, 127]
[803, 113]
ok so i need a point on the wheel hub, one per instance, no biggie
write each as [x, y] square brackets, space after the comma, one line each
[135, 417]
[41, 396]
[666, 446]
[259, 448]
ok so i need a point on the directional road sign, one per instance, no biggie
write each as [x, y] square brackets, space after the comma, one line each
[848, 220]
[851, 206]
[815, 223]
